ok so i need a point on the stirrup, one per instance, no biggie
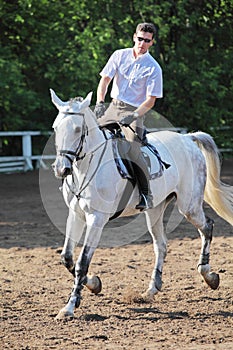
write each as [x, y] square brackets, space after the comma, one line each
[145, 202]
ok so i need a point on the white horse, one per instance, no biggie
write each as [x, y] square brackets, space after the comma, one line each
[93, 188]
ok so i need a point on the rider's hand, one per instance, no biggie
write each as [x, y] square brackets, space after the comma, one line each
[99, 109]
[126, 121]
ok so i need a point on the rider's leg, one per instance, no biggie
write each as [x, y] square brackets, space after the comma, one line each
[116, 112]
[143, 178]
[139, 163]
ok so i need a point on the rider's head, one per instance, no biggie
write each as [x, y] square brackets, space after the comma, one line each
[143, 38]
[146, 28]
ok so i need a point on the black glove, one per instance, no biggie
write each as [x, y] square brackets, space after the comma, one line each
[126, 121]
[99, 109]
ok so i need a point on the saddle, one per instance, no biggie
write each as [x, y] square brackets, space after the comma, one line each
[120, 147]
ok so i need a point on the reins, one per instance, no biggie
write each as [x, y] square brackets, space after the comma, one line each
[82, 187]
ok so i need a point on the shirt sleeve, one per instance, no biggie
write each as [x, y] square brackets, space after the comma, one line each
[155, 83]
[110, 68]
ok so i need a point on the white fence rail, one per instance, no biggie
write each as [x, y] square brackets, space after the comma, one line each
[10, 164]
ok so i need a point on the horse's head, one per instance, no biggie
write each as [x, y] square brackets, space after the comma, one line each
[70, 128]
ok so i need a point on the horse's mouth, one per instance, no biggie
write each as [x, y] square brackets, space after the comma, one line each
[62, 173]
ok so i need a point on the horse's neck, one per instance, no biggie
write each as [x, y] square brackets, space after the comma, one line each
[95, 137]
[93, 149]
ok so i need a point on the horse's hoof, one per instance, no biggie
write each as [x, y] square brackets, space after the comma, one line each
[98, 287]
[94, 284]
[148, 296]
[64, 315]
[213, 280]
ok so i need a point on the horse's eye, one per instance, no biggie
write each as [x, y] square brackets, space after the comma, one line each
[77, 129]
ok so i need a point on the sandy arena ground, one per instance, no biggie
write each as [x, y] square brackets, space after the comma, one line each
[34, 285]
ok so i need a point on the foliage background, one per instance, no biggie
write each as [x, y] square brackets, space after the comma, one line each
[63, 44]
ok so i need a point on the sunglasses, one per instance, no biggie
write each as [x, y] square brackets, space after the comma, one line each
[142, 39]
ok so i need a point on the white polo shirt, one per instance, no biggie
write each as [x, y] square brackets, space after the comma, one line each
[134, 79]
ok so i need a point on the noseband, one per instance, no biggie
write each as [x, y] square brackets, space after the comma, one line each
[76, 154]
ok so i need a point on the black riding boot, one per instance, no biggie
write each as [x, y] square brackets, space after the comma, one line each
[143, 176]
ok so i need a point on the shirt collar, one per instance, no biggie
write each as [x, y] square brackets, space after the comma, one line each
[141, 56]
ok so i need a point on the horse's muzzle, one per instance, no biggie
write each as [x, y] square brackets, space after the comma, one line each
[61, 172]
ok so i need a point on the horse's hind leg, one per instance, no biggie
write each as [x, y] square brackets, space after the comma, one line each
[211, 278]
[205, 229]
[154, 219]
[190, 203]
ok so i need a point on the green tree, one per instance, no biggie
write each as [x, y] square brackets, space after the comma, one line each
[63, 44]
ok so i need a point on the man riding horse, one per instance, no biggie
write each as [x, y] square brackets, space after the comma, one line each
[137, 82]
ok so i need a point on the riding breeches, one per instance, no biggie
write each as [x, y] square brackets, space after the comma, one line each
[115, 112]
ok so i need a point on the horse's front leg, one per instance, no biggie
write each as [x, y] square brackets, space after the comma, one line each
[211, 278]
[95, 223]
[74, 230]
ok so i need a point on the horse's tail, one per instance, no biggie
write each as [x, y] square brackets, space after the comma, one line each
[217, 194]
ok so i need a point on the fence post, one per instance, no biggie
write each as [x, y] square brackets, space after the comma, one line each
[27, 151]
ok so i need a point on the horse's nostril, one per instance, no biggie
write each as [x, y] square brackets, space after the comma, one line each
[67, 171]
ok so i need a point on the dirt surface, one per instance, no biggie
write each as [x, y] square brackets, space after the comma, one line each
[34, 285]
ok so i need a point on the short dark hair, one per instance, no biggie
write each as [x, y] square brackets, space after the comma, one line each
[146, 27]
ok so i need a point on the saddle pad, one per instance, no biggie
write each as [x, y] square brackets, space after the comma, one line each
[155, 164]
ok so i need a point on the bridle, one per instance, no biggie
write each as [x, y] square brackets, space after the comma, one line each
[76, 154]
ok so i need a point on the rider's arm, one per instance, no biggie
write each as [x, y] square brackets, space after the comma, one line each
[146, 106]
[102, 88]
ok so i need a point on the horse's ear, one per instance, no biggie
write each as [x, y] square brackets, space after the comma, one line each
[89, 96]
[86, 103]
[56, 100]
